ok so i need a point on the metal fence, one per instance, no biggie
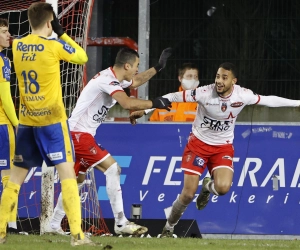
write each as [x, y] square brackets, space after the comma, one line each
[260, 36]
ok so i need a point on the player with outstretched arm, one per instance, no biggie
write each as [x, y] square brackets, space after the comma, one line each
[210, 142]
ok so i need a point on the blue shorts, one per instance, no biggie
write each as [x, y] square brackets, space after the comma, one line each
[7, 146]
[50, 143]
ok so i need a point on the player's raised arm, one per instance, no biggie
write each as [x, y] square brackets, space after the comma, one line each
[80, 56]
[143, 77]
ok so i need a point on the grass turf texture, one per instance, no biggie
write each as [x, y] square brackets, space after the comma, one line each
[36, 242]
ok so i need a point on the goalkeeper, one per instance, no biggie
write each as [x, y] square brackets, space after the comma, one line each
[102, 92]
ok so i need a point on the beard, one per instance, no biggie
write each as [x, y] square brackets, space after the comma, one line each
[223, 90]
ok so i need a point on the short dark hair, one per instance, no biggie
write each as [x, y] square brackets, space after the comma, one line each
[39, 13]
[186, 66]
[3, 22]
[230, 67]
[126, 55]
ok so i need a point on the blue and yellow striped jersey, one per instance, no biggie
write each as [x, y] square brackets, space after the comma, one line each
[36, 61]
[4, 77]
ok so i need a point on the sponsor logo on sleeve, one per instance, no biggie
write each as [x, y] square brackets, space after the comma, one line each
[236, 104]
[69, 48]
[6, 73]
[114, 83]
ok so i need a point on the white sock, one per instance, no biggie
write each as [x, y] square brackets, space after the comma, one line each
[210, 186]
[168, 226]
[58, 214]
[12, 225]
[176, 212]
[114, 192]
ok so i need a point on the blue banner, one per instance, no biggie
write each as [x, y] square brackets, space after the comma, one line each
[150, 157]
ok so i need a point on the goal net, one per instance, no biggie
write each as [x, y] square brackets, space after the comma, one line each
[74, 16]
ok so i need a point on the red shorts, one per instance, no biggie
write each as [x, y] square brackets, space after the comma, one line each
[198, 155]
[87, 152]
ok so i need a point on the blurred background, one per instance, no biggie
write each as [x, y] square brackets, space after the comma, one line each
[260, 37]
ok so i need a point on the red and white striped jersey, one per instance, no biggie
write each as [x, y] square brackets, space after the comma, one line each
[95, 101]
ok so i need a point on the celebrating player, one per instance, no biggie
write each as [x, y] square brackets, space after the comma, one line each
[210, 142]
[8, 117]
[100, 94]
[43, 132]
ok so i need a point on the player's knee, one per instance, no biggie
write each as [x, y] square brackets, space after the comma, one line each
[187, 197]
[114, 169]
[119, 169]
[222, 187]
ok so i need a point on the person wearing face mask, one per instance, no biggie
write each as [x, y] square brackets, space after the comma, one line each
[181, 112]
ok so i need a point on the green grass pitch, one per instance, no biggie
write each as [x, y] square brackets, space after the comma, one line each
[45, 242]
